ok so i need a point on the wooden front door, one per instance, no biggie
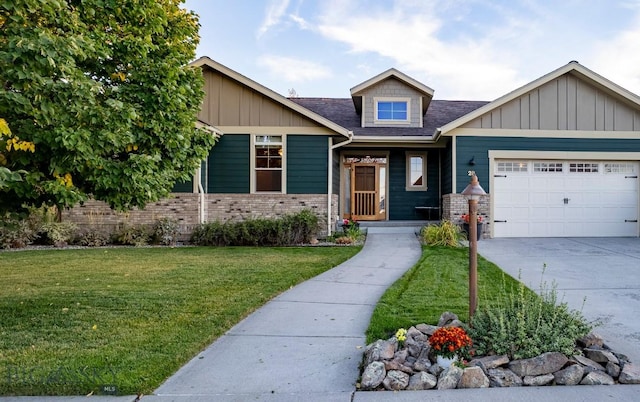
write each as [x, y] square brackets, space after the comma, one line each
[367, 192]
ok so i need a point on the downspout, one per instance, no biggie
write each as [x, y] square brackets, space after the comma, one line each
[201, 217]
[330, 178]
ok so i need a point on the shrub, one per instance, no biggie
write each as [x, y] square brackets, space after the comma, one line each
[165, 232]
[92, 237]
[527, 325]
[131, 235]
[444, 234]
[58, 234]
[287, 230]
[16, 232]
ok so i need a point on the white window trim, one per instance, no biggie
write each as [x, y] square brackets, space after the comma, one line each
[253, 164]
[408, 185]
[387, 99]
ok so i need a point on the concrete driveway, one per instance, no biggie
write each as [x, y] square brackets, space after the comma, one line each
[604, 270]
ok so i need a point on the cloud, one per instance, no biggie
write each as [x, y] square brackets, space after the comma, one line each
[412, 36]
[275, 10]
[294, 70]
[618, 58]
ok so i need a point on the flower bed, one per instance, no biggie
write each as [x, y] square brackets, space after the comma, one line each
[408, 362]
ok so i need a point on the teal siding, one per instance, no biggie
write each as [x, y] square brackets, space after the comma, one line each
[183, 187]
[478, 147]
[229, 165]
[307, 164]
[402, 203]
[336, 172]
[447, 168]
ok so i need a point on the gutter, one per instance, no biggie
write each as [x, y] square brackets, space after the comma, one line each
[330, 177]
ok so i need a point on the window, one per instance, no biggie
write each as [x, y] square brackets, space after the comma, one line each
[392, 110]
[416, 171]
[580, 167]
[268, 163]
[513, 166]
[547, 167]
[620, 167]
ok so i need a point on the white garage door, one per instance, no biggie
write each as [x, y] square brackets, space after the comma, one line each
[536, 198]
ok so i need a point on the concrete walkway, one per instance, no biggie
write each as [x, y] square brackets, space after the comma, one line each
[307, 343]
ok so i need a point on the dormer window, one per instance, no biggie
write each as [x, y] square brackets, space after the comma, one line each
[394, 110]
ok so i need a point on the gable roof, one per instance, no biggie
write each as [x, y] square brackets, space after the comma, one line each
[341, 111]
[322, 121]
[574, 68]
[427, 93]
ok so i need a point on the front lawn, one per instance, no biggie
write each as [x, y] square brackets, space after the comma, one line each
[72, 321]
[439, 282]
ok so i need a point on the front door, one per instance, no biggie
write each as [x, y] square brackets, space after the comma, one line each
[365, 180]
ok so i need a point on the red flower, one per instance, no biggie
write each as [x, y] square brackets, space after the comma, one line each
[450, 341]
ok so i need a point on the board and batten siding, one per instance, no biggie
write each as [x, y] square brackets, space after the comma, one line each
[307, 164]
[229, 103]
[229, 166]
[566, 103]
[478, 147]
[389, 89]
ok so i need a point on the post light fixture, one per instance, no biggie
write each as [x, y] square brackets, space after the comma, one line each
[473, 190]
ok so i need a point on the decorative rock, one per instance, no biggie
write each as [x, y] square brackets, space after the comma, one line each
[417, 335]
[449, 378]
[601, 356]
[597, 378]
[446, 318]
[395, 380]
[373, 375]
[421, 381]
[591, 339]
[588, 362]
[401, 355]
[489, 362]
[414, 347]
[435, 370]
[630, 374]
[613, 370]
[397, 365]
[572, 375]
[426, 329]
[546, 363]
[473, 377]
[538, 380]
[422, 364]
[500, 377]
[379, 350]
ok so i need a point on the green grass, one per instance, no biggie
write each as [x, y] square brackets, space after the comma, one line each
[439, 282]
[74, 320]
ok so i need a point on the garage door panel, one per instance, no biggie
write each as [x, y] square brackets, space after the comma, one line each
[599, 196]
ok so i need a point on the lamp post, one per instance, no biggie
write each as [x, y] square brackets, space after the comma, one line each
[473, 191]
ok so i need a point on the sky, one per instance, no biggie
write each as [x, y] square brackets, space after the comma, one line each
[463, 49]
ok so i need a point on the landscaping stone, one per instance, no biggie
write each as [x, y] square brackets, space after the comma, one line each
[613, 370]
[447, 318]
[426, 329]
[489, 362]
[395, 380]
[538, 380]
[422, 364]
[473, 377]
[421, 381]
[501, 377]
[449, 378]
[373, 375]
[571, 375]
[379, 350]
[585, 361]
[590, 340]
[597, 378]
[546, 363]
[601, 355]
[630, 374]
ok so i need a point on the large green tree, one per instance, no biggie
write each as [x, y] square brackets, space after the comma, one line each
[103, 92]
